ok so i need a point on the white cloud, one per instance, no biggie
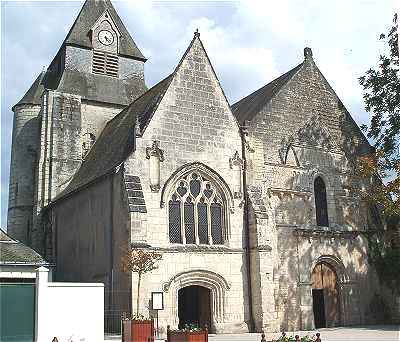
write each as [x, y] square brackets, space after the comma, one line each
[248, 42]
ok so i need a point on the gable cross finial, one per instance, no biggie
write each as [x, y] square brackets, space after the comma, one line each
[197, 33]
[308, 53]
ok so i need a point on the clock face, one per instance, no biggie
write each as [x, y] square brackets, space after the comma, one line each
[106, 37]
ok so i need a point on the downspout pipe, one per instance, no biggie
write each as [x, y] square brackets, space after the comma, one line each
[246, 227]
[111, 265]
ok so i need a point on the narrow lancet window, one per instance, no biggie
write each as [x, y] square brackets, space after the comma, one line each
[321, 205]
[175, 234]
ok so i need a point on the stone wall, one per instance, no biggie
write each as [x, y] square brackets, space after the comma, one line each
[24, 152]
[320, 139]
[193, 124]
[67, 127]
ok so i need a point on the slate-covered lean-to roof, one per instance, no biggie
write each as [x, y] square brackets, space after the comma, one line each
[246, 108]
[116, 141]
[34, 93]
[15, 252]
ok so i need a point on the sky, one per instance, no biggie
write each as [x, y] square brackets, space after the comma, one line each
[249, 44]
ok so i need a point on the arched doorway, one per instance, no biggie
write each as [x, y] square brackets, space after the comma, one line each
[325, 295]
[194, 306]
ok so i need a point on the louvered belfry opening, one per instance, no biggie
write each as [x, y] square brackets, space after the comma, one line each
[105, 63]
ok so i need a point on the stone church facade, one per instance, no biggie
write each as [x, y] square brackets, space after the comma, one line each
[251, 205]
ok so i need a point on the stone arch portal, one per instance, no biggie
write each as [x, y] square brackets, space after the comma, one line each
[210, 281]
[194, 306]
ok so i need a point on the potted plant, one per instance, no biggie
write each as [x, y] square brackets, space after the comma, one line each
[138, 328]
[191, 333]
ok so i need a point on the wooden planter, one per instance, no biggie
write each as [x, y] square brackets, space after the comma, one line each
[137, 331]
[187, 336]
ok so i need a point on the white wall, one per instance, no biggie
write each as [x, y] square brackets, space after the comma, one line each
[19, 271]
[69, 311]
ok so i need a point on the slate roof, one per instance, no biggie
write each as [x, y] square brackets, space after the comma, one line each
[248, 107]
[87, 17]
[15, 252]
[34, 93]
[89, 86]
[116, 141]
[95, 87]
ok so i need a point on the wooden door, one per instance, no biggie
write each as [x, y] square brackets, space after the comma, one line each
[324, 278]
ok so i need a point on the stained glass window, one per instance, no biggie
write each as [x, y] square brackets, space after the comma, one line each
[199, 208]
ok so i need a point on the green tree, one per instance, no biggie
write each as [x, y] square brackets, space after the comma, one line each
[382, 99]
[381, 87]
[140, 262]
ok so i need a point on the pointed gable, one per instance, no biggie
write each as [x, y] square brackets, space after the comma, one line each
[306, 103]
[197, 90]
[79, 33]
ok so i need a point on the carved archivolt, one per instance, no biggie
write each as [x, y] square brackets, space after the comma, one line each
[210, 280]
[337, 265]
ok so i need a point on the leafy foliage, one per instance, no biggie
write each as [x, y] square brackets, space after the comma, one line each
[140, 262]
[373, 167]
[382, 99]
[192, 327]
[386, 260]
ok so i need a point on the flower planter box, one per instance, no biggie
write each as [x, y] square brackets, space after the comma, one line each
[137, 331]
[187, 336]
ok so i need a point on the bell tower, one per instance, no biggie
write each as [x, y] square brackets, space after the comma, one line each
[97, 72]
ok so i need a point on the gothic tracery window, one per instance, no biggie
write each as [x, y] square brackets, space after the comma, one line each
[321, 205]
[196, 212]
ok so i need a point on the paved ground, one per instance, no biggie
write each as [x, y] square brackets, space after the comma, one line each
[362, 333]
